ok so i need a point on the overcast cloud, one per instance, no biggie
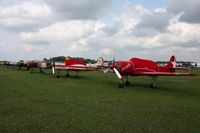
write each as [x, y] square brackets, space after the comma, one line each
[82, 9]
[37, 29]
[189, 8]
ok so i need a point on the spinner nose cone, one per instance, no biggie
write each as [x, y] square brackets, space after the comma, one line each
[112, 66]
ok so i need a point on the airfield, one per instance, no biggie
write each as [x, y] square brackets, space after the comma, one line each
[35, 102]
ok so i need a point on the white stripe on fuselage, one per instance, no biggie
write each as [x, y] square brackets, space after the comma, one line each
[77, 65]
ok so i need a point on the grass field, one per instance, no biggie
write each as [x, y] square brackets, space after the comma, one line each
[33, 103]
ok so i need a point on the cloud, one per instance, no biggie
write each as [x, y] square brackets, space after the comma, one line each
[106, 51]
[82, 9]
[157, 21]
[67, 31]
[139, 21]
[152, 23]
[189, 9]
[191, 44]
[25, 16]
[130, 15]
[79, 45]
[180, 33]
[113, 29]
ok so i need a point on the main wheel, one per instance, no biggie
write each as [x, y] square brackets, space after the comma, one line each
[121, 85]
[128, 83]
[152, 86]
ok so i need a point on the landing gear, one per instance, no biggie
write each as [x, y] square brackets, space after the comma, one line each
[31, 69]
[153, 84]
[121, 84]
[58, 74]
[127, 82]
[19, 67]
[67, 74]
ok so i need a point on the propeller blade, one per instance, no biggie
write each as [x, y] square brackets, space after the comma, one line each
[106, 71]
[113, 61]
[117, 73]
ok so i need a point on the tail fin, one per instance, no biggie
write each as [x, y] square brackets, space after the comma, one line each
[172, 62]
[100, 61]
[170, 67]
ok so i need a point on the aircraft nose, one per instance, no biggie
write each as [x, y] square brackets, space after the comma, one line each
[115, 65]
[112, 66]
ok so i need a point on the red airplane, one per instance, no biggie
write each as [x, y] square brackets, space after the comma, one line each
[76, 65]
[143, 67]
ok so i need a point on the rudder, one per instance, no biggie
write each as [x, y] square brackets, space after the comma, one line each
[100, 61]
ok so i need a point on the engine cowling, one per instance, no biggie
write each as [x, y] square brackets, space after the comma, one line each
[124, 67]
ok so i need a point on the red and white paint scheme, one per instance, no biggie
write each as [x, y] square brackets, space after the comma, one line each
[76, 65]
[143, 67]
[99, 63]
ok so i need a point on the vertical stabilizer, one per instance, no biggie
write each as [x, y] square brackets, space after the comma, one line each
[172, 62]
[170, 67]
[100, 62]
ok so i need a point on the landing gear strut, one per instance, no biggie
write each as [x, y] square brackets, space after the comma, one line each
[121, 84]
[127, 82]
[58, 74]
[67, 74]
[153, 84]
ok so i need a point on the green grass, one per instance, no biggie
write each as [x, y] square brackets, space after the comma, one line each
[94, 103]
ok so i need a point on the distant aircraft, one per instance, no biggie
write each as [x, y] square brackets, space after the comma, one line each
[97, 65]
[143, 67]
[76, 65]
[183, 68]
[20, 64]
[38, 64]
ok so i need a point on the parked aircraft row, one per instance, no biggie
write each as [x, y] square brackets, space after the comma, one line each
[76, 65]
[143, 67]
[122, 69]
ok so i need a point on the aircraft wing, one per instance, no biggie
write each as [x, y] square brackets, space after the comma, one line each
[163, 74]
[75, 68]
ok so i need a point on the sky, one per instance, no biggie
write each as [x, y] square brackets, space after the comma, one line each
[152, 29]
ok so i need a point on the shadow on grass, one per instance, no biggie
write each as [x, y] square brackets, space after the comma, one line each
[161, 87]
[79, 77]
[115, 84]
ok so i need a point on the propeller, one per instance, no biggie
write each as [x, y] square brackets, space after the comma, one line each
[112, 67]
[117, 73]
